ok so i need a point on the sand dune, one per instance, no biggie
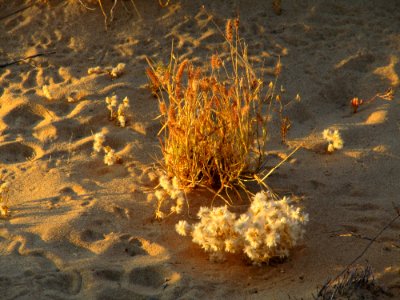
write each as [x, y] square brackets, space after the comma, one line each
[80, 229]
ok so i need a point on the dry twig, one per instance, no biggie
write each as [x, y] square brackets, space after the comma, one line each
[25, 58]
[347, 268]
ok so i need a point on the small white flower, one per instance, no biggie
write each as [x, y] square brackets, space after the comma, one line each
[110, 158]
[160, 214]
[230, 245]
[122, 121]
[118, 70]
[180, 201]
[182, 228]
[114, 101]
[178, 209]
[125, 102]
[99, 139]
[333, 138]
[165, 183]
[121, 110]
[161, 195]
[175, 183]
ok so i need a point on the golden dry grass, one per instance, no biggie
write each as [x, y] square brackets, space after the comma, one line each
[215, 117]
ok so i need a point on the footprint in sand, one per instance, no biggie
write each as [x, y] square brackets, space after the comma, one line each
[122, 245]
[34, 271]
[120, 293]
[150, 276]
[29, 79]
[23, 117]
[90, 236]
[108, 274]
[57, 284]
[72, 192]
[16, 152]
[65, 282]
[154, 280]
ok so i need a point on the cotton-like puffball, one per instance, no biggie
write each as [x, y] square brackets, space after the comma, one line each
[99, 139]
[269, 228]
[118, 70]
[110, 158]
[182, 227]
[333, 138]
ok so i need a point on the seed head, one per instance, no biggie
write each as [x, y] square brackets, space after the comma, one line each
[180, 71]
[228, 31]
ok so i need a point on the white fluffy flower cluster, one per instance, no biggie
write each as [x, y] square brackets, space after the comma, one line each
[118, 111]
[110, 158]
[215, 232]
[333, 138]
[169, 189]
[268, 229]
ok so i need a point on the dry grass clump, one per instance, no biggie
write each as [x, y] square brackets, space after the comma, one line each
[269, 229]
[356, 283]
[214, 117]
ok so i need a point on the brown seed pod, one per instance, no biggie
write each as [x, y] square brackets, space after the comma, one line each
[278, 68]
[236, 24]
[153, 79]
[215, 62]
[163, 108]
[180, 71]
[228, 31]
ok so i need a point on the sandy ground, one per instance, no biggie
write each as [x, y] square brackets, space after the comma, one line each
[82, 230]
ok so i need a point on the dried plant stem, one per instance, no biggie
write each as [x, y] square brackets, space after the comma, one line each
[277, 166]
[25, 58]
[85, 6]
[135, 8]
[104, 13]
[112, 10]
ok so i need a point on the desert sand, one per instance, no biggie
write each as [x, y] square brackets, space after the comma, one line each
[79, 229]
